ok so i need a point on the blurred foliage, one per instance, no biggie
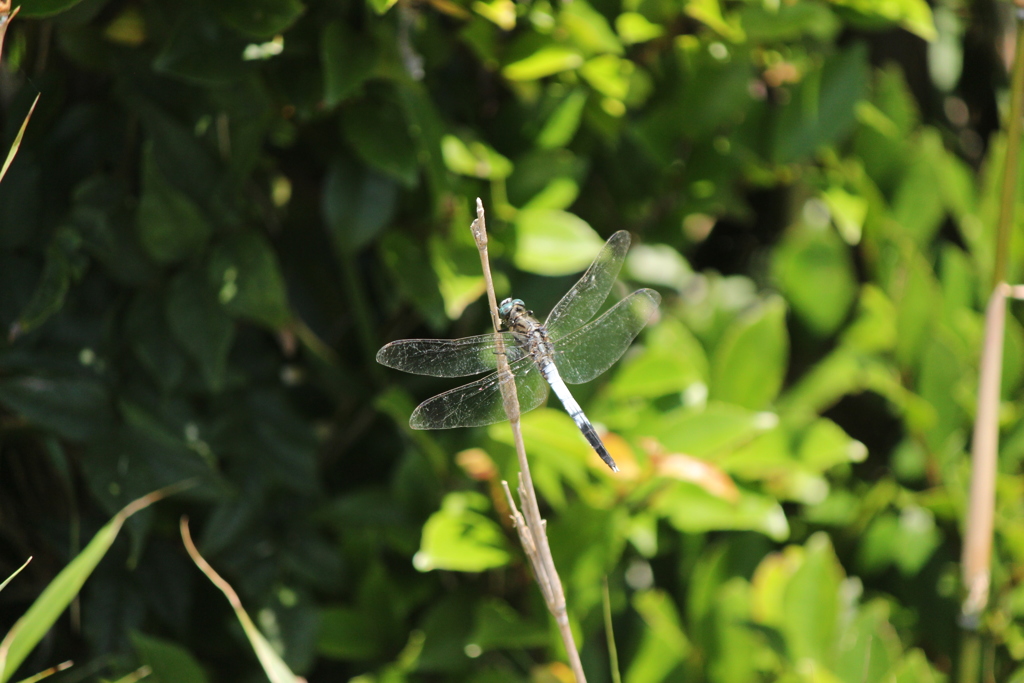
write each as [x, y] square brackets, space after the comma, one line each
[221, 209]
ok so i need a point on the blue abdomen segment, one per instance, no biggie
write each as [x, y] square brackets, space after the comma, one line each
[550, 373]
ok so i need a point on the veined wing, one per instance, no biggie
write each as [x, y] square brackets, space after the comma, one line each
[448, 357]
[480, 403]
[585, 298]
[592, 349]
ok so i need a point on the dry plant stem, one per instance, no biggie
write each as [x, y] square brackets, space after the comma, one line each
[533, 536]
[977, 549]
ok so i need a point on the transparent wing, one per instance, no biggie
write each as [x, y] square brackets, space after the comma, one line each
[585, 298]
[592, 349]
[448, 357]
[480, 403]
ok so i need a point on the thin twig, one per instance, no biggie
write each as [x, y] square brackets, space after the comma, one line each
[534, 536]
[1008, 191]
[609, 631]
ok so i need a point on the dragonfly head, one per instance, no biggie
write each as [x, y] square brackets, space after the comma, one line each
[507, 306]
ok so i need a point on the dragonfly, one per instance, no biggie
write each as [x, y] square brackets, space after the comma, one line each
[568, 347]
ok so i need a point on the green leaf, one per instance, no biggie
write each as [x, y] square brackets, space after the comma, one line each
[913, 15]
[459, 538]
[260, 18]
[869, 647]
[169, 661]
[823, 108]
[691, 509]
[40, 9]
[200, 325]
[789, 22]
[664, 644]
[588, 29]
[710, 13]
[498, 626]
[945, 364]
[171, 226]
[381, 6]
[349, 634]
[671, 362]
[357, 204]
[458, 271]
[409, 263]
[376, 128]
[703, 432]
[63, 265]
[874, 328]
[550, 242]
[608, 75]
[848, 211]
[811, 603]
[151, 340]
[559, 194]
[634, 28]
[348, 58]
[546, 61]
[749, 361]
[251, 286]
[58, 594]
[815, 270]
[76, 408]
[731, 631]
[202, 51]
[921, 218]
[564, 121]
[910, 283]
[474, 159]
[826, 445]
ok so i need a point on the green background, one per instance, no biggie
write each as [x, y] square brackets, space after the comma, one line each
[222, 209]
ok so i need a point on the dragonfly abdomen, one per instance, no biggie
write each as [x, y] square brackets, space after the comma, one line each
[550, 372]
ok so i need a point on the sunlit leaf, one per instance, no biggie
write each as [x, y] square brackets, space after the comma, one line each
[811, 603]
[634, 27]
[609, 75]
[546, 61]
[474, 159]
[561, 126]
[749, 362]
[459, 538]
[588, 29]
[664, 644]
[691, 509]
[815, 271]
[710, 13]
[913, 15]
[552, 242]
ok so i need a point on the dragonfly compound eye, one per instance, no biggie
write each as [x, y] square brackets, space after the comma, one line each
[505, 308]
